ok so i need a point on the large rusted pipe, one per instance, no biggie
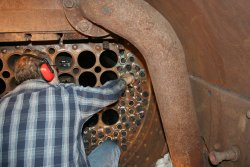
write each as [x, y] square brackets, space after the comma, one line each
[152, 34]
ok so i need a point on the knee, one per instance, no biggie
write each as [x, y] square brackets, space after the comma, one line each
[113, 145]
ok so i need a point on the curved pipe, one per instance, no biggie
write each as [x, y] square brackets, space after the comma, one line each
[152, 34]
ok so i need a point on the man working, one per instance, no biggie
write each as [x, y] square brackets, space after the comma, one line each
[41, 120]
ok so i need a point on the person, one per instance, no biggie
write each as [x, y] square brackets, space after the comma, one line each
[41, 120]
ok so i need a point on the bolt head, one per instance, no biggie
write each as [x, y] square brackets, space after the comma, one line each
[4, 51]
[213, 158]
[74, 47]
[68, 3]
[97, 47]
[83, 26]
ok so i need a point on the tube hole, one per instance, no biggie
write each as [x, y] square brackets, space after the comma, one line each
[122, 110]
[128, 67]
[92, 121]
[66, 78]
[108, 59]
[1, 64]
[76, 70]
[98, 69]
[145, 94]
[142, 74]
[51, 50]
[6, 74]
[86, 59]
[131, 111]
[2, 86]
[108, 131]
[137, 68]
[110, 117]
[87, 79]
[131, 102]
[123, 60]
[12, 59]
[131, 59]
[107, 76]
[64, 61]
[119, 68]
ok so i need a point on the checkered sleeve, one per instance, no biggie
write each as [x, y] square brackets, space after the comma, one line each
[92, 100]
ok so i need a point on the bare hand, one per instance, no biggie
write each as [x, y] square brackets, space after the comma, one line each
[128, 78]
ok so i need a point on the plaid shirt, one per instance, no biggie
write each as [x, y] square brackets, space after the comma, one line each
[41, 124]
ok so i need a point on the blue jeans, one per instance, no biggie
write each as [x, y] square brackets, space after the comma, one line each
[106, 154]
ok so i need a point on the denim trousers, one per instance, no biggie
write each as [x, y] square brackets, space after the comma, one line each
[106, 154]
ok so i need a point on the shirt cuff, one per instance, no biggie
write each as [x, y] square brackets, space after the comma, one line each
[123, 83]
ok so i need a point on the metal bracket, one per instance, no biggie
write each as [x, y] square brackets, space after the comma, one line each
[79, 23]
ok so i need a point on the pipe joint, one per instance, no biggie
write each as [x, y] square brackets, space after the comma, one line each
[232, 154]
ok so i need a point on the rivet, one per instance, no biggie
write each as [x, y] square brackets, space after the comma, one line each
[74, 47]
[83, 25]
[98, 47]
[4, 51]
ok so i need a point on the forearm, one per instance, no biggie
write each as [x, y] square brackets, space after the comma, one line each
[101, 96]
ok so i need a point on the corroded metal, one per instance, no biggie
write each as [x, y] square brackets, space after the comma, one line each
[151, 33]
[215, 36]
[33, 16]
[222, 119]
[24, 37]
[138, 124]
[81, 24]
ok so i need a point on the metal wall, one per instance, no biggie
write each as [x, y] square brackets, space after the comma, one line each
[215, 37]
[216, 42]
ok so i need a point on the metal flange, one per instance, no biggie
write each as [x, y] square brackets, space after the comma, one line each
[79, 23]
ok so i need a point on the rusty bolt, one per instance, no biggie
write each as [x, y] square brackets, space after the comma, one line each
[83, 25]
[68, 3]
[230, 155]
[248, 114]
[4, 51]
[74, 47]
[98, 47]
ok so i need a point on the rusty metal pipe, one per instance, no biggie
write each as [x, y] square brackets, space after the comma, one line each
[152, 34]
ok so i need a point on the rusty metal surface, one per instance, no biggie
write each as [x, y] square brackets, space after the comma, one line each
[223, 120]
[23, 37]
[215, 36]
[138, 124]
[81, 24]
[45, 37]
[153, 36]
[33, 16]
